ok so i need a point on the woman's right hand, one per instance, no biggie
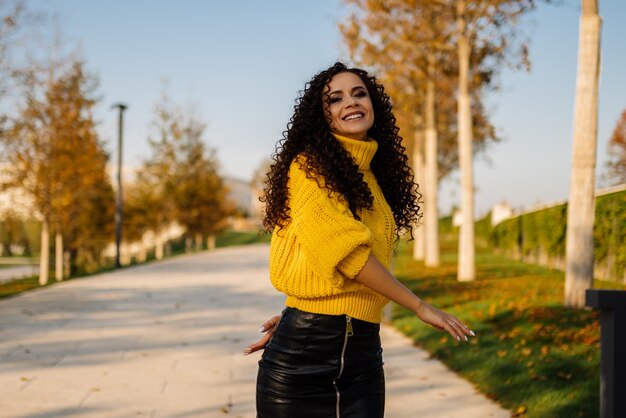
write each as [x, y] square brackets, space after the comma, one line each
[268, 327]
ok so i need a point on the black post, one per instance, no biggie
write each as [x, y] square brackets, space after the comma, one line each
[118, 196]
[612, 305]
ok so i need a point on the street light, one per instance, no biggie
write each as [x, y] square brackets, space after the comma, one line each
[118, 197]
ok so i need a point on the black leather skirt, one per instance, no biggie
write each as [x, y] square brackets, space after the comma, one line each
[321, 366]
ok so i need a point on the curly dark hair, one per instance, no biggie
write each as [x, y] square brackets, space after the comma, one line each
[308, 133]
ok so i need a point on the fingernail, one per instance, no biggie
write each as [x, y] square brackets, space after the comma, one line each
[261, 329]
[465, 338]
[458, 338]
[472, 332]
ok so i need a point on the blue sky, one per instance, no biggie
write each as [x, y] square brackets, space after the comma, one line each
[240, 65]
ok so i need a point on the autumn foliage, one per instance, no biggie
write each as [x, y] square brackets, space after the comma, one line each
[617, 152]
[57, 158]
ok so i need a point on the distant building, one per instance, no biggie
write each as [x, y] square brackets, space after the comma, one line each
[500, 212]
[15, 200]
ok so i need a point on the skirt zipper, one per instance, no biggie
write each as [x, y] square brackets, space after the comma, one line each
[349, 333]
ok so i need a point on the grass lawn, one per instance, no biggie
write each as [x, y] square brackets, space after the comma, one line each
[21, 285]
[6, 266]
[229, 238]
[531, 355]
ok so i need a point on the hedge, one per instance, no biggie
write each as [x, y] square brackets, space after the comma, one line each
[539, 237]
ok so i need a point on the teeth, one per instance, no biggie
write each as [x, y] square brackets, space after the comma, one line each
[355, 116]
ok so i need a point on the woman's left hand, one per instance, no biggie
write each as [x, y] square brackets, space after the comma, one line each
[269, 327]
[443, 321]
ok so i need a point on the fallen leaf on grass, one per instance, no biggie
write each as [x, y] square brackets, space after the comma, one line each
[520, 411]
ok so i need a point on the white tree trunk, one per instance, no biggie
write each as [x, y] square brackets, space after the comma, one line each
[125, 254]
[44, 258]
[142, 255]
[58, 256]
[466, 266]
[581, 205]
[419, 233]
[67, 257]
[158, 246]
[431, 213]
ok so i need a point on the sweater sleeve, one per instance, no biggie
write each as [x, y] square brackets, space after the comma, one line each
[334, 243]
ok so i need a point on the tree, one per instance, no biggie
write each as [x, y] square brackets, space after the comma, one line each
[581, 206]
[11, 233]
[616, 164]
[181, 178]
[484, 29]
[405, 39]
[58, 160]
[145, 210]
[156, 179]
[201, 200]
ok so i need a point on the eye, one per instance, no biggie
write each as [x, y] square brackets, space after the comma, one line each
[360, 93]
[334, 99]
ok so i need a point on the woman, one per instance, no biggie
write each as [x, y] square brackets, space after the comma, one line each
[338, 195]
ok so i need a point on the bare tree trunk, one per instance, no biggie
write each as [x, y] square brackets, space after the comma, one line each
[418, 165]
[431, 212]
[67, 258]
[158, 246]
[142, 254]
[581, 205]
[44, 258]
[211, 242]
[125, 254]
[466, 266]
[58, 257]
[188, 244]
[199, 241]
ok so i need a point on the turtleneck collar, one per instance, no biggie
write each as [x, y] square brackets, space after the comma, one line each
[361, 151]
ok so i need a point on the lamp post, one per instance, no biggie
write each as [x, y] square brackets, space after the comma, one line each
[118, 196]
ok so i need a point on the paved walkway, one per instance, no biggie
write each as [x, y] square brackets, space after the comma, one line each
[165, 340]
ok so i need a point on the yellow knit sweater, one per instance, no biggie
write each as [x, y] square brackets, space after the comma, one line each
[316, 256]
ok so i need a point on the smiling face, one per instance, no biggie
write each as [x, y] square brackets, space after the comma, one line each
[350, 106]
